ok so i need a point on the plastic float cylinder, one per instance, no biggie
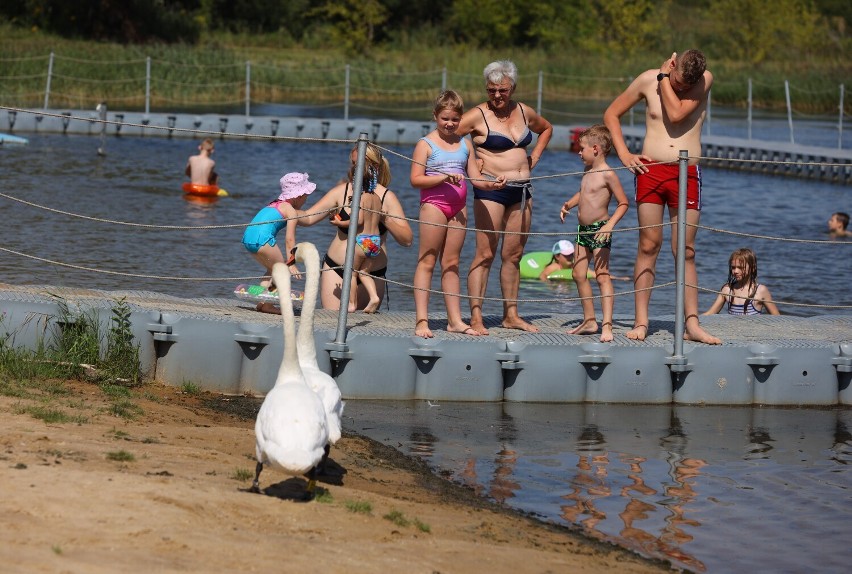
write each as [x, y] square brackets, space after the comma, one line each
[448, 371]
[548, 373]
[719, 376]
[198, 351]
[631, 375]
[793, 376]
[373, 367]
[262, 347]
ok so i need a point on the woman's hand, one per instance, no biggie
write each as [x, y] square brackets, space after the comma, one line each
[498, 183]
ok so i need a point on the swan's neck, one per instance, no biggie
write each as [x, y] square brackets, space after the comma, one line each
[307, 347]
[290, 362]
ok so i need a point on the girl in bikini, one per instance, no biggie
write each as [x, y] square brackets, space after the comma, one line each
[744, 295]
[440, 163]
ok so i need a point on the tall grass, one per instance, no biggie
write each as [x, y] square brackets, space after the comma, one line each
[398, 81]
[74, 346]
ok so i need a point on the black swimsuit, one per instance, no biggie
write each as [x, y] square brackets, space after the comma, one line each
[337, 267]
[516, 191]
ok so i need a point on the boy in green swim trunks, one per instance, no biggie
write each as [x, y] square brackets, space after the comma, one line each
[594, 232]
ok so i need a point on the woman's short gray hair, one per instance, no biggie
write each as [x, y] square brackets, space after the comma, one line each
[496, 72]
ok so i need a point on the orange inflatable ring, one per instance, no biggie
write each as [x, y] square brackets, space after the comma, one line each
[199, 189]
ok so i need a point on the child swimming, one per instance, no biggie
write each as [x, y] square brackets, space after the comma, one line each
[744, 295]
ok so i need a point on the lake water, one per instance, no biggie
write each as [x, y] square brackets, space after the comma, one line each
[712, 489]
[138, 181]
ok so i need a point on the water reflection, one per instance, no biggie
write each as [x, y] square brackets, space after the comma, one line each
[707, 488]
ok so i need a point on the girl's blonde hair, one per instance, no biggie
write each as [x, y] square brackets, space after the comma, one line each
[376, 167]
[449, 100]
[749, 260]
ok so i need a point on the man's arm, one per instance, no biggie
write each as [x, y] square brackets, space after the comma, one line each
[612, 119]
[679, 106]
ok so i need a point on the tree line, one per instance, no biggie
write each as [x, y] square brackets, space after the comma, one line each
[751, 31]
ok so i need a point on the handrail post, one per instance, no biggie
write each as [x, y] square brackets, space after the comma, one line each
[358, 181]
[147, 86]
[680, 271]
[346, 96]
[540, 90]
[49, 76]
[248, 90]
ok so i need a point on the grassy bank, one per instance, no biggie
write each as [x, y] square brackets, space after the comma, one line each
[214, 75]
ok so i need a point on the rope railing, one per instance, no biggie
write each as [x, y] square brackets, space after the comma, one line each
[408, 219]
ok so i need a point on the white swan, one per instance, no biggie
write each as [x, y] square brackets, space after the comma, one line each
[291, 428]
[322, 383]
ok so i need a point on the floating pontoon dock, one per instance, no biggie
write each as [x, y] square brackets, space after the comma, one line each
[224, 345]
[733, 153]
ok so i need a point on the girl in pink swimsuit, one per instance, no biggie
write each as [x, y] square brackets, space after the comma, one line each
[440, 163]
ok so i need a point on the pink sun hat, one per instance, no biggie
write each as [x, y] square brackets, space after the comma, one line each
[294, 185]
[564, 247]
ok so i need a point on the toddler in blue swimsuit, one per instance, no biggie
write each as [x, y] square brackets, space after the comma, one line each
[259, 237]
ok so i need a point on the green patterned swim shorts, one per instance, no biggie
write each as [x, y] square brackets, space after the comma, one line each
[586, 236]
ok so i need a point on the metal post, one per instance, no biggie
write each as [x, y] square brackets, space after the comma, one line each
[789, 109]
[749, 108]
[346, 96]
[102, 115]
[444, 79]
[147, 86]
[248, 90]
[840, 121]
[680, 271]
[540, 90]
[340, 337]
[49, 75]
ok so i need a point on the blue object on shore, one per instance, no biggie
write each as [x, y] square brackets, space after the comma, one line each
[10, 139]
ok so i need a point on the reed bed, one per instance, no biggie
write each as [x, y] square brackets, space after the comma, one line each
[400, 82]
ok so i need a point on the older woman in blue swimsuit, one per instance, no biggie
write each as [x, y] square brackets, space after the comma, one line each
[502, 130]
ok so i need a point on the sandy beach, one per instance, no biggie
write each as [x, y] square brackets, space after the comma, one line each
[156, 480]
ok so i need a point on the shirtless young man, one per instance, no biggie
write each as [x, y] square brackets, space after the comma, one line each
[199, 168]
[676, 104]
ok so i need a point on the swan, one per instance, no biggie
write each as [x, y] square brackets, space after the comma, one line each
[291, 430]
[322, 383]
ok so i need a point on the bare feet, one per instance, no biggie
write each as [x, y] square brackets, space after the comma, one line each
[463, 329]
[373, 305]
[268, 308]
[421, 329]
[606, 332]
[587, 327]
[638, 333]
[478, 326]
[518, 323]
[697, 334]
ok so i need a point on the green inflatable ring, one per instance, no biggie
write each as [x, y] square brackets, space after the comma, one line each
[532, 264]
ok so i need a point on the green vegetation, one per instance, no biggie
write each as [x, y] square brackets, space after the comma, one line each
[72, 346]
[69, 347]
[359, 506]
[402, 521]
[121, 456]
[190, 388]
[242, 474]
[396, 50]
